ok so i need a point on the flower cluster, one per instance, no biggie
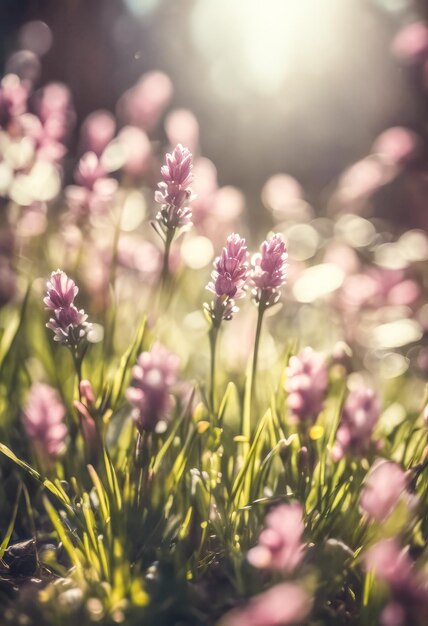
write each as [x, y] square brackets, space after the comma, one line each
[359, 418]
[68, 323]
[174, 191]
[268, 272]
[228, 279]
[153, 378]
[43, 419]
[280, 544]
[306, 384]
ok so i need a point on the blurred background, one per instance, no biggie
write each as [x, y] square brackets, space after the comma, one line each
[297, 86]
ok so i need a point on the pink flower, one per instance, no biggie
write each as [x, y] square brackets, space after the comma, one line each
[153, 378]
[306, 384]
[359, 418]
[286, 603]
[280, 544]
[68, 323]
[95, 191]
[97, 131]
[388, 562]
[228, 279]
[269, 270]
[411, 42]
[384, 485]
[61, 291]
[143, 104]
[174, 191]
[13, 98]
[43, 419]
[409, 590]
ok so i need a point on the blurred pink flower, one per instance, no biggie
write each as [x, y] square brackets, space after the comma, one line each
[137, 150]
[388, 561]
[143, 104]
[383, 488]
[46, 146]
[377, 287]
[228, 279]
[95, 191]
[181, 126]
[409, 589]
[306, 384]
[97, 131]
[13, 98]
[152, 380]
[268, 272]
[397, 144]
[411, 42]
[140, 255]
[43, 419]
[286, 603]
[280, 544]
[359, 418]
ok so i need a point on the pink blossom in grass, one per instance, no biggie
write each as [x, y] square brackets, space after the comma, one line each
[283, 604]
[174, 191]
[359, 418]
[408, 587]
[68, 323]
[152, 380]
[268, 272]
[306, 384]
[280, 545]
[228, 279]
[383, 488]
[43, 419]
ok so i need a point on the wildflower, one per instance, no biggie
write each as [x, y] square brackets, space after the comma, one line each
[409, 597]
[283, 604]
[385, 483]
[68, 323]
[269, 270]
[280, 544]
[306, 384]
[228, 279]
[174, 192]
[153, 377]
[359, 418]
[94, 192]
[43, 419]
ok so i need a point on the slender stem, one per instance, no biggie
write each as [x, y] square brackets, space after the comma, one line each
[262, 308]
[213, 334]
[78, 367]
[165, 267]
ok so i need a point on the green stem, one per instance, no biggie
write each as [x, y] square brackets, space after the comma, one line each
[78, 367]
[165, 267]
[213, 334]
[262, 308]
